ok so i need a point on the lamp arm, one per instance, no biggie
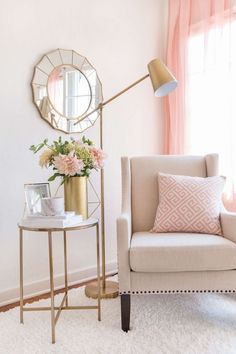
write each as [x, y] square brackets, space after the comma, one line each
[113, 97]
[126, 89]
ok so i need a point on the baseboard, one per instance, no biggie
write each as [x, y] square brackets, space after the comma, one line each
[39, 287]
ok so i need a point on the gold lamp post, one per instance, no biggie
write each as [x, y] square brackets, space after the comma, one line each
[163, 83]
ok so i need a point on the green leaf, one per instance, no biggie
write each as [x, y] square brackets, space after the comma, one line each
[32, 148]
[35, 149]
[87, 141]
[64, 179]
[52, 178]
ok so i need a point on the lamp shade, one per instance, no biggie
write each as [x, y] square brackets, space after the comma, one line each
[163, 81]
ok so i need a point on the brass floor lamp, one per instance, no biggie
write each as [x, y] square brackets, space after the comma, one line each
[163, 83]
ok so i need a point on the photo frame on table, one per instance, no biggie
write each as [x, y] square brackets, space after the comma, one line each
[33, 194]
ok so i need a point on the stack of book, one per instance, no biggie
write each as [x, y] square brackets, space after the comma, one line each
[68, 219]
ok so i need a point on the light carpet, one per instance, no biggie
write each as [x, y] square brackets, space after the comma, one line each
[170, 324]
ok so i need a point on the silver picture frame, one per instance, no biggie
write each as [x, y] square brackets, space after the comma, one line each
[33, 194]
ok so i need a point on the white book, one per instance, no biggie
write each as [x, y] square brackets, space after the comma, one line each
[52, 223]
[37, 216]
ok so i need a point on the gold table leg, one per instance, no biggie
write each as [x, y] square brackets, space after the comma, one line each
[64, 304]
[65, 267]
[51, 285]
[21, 276]
[98, 273]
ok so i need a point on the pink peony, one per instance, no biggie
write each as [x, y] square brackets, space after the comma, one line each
[98, 157]
[68, 165]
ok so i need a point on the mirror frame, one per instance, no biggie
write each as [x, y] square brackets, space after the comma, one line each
[42, 71]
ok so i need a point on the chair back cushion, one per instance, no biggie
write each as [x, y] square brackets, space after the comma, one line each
[144, 181]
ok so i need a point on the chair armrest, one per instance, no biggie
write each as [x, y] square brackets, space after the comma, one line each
[228, 223]
[123, 246]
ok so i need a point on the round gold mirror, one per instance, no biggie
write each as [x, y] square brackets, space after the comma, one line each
[66, 88]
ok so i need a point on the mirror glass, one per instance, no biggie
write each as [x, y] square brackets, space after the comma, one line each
[66, 88]
[69, 91]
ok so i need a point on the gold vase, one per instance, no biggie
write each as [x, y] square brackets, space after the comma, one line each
[76, 195]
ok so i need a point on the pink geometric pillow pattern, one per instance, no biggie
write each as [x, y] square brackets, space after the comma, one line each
[189, 204]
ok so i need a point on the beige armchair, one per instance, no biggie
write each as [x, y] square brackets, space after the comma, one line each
[150, 263]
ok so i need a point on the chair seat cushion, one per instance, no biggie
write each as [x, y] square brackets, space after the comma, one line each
[176, 252]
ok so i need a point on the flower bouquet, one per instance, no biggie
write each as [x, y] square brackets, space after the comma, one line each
[74, 158]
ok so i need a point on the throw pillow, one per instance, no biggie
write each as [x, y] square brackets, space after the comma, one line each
[189, 204]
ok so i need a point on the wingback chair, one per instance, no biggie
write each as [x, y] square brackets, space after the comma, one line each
[156, 263]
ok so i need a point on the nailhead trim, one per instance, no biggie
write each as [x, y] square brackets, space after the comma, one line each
[174, 291]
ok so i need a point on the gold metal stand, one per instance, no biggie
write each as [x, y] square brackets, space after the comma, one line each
[65, 301]
[108, 289]
[163, 82]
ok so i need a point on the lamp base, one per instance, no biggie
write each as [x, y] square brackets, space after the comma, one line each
[110, 291]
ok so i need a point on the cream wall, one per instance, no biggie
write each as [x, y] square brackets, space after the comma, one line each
[119, 38]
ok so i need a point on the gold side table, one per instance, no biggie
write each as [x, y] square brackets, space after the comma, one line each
[64, 303]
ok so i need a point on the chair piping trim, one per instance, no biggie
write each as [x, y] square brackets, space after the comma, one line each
[149, 292]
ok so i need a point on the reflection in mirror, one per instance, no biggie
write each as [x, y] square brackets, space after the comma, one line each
[66, 87]
[69, 91]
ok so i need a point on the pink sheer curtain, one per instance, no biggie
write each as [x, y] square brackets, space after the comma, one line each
[200, 113]
[185, 16]
[179, 19]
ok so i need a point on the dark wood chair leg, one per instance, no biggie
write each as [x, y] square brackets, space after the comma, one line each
[125, 312]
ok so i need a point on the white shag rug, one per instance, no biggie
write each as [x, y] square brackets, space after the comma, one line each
[165, 324]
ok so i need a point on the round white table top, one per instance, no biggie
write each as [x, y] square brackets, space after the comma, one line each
[81, 225]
